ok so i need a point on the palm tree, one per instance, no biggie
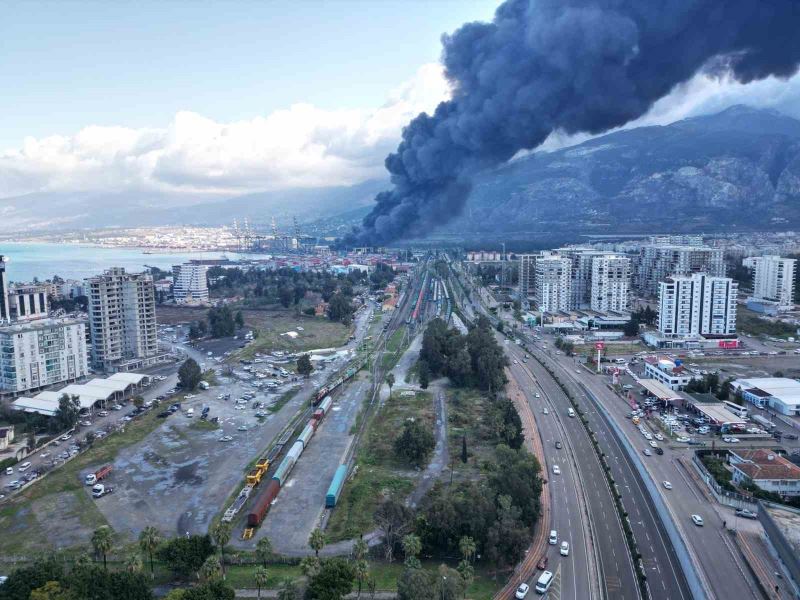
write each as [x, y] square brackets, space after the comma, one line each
[467, 574]
[412, 546]
[360, 549]
[362, 573]
[264, 550]
[222, 535]
[211, 569]
[467, 547]
[102, 542]
[261, 576]
[288, 590]
[310, 566]
[316, 541]
[149, 540]
[390, 383]
[133, 564]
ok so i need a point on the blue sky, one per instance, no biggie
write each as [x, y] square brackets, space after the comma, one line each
[66, 65]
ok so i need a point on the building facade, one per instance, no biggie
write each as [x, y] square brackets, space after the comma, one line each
[767, 469]
[190, 283]
[28, 302]
[5, 311]
[43, 352]
[610, 283]
[697, 305]
[553, 283]
[122, 319]
[657, 262]
[773, 280]
[527, 275]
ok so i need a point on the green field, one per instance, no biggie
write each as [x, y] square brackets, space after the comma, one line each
[317, 332]
[395, 346]
[750, 322]
[379, 473]
[468, 416]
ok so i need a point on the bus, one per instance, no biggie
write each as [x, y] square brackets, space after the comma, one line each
[739, 411]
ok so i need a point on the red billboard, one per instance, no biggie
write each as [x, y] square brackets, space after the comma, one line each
[728, 344]
[599, 346]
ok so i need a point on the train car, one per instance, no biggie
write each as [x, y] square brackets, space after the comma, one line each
[317, 416]
[305, 435]
[313, 421]
[325, 406]
[282, 472]
[262, 503]
[332, 497]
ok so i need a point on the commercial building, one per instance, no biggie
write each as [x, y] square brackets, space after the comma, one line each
[190, 283]
[697, 305]
[5, 312]
[610, 283]
[553, 283]
[773, 280]
[39, 353]
[780, 394]
[667, 372]
[767, 469]
[28, 302]
[657, 262]
[122, 320]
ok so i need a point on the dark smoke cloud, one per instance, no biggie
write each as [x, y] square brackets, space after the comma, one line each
[568, 65]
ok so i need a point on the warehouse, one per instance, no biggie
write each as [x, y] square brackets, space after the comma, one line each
[781, 394]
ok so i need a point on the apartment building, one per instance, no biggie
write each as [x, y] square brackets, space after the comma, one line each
[773, 280]
[697, 305]
[581, 259]
[610, 286]
[553, 283]
[122, 320]
[5, 311]
[38, 353]
[527, 275]
[190, 283]
[656, 262]
[28, 302]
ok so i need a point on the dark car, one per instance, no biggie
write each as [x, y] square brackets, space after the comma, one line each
[163, 414]
[790, 436]
[558, 445]
[542, 564]
[659, 451]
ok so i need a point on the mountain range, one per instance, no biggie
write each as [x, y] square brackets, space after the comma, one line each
[736, 170]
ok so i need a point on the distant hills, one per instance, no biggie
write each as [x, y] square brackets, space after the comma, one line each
[736, 170]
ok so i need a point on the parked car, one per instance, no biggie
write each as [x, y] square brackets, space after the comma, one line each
[746, 514]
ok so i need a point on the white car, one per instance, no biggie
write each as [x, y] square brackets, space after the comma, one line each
[226, 438]
[553, 539]
[648, 436]
[697, 520]
[556, 470]
[515, 361]
[683, 439]
[537, 395]
[522, 591]
[653, 444]
[667, 485]
[545, 411]
[647, 452]
[564, 549]
[659, 437]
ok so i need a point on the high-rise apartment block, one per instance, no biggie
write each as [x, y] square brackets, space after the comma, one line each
[697, 305]
[122, 320]
[656, 262]
[581, 259]
[28, 302]
[190, 283]
[774, 279]
[553, 283]
[610, 283]
[5, 311]
[527, 275]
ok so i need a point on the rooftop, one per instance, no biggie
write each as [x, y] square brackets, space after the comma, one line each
[785, 389]
[765, 464]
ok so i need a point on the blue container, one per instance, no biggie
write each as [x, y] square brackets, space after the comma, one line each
[336, 487]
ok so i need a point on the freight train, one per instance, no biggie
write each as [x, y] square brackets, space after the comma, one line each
[332, 386]
[264, 499]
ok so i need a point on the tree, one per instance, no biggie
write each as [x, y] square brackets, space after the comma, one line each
[361, 572]
[32, 441]
[222, 535]
[412, 546]
[216, 589]
[467, 547]
[390, 383]
[69, 408]
[464, 455]
[424, 375]
[288, 591]
[24, 580]
[239, 319]
[360, 549]
[340, 309]
[185, 555]
[51, 590]
[334, 580]
[316, 541]
[261, 576]
[133, 564]
[138, 401]
[211, 569]
[631, 328]
[102, 542]
[415, 443]
[467, 573]
[304, 366]
[416, 584]
[189, 374]
[149, 540]
[221, 321]
[310, 566]
[264, 550]
[393, 520]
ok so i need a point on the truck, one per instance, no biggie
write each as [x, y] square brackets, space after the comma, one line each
[98, 475]
[203, 385]
[99, 490]
[764, 422]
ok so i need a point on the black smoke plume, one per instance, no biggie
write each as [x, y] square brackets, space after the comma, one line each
[567, 65]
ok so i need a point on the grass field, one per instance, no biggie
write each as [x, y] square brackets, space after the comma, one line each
[379, 474]
[468, 416]
[395, 346]
[750, 322]
[317, 332]
[56, 511]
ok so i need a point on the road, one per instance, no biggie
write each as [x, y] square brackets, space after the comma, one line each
[710, 546]
[582, 483]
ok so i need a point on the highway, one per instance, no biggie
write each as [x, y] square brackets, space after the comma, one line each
[583, 511]
[722, 569]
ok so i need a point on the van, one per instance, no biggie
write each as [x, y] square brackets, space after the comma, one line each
[544, 582]
[570, 412]
[24, 467]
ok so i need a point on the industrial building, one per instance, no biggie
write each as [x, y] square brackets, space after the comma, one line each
[780, 394]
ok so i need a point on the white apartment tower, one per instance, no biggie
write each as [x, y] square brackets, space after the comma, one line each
[190, 283]
[774, 279]
[581, 259]
[697, 305]
[657, 262]
[553, 283]
[610, 283]
[122, 319]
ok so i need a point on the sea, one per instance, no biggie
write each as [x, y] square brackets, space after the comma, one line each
[74, 261]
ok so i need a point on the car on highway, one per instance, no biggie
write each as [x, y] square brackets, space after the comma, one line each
[516, 362]
[682, 438]
[226, 438]
[653, 444]
[647, 452]
[731, 440]
[697, 520]
[537, 395]
[556, 470]
[553, 539]
[522, 591]
[746, 514]
[564, 551]
[542, 564]
[558, 444]
[667, 485]
[659, 437]
[578, 371]
[659, 450]
[545, 411]
[9, 470]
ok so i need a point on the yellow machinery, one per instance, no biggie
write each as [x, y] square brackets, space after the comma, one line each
[248, 533]
[254, 477]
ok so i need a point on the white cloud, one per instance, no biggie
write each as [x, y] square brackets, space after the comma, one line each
[298, 146]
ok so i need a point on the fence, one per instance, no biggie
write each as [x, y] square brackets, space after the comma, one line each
[785, 551]
[723, 496]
